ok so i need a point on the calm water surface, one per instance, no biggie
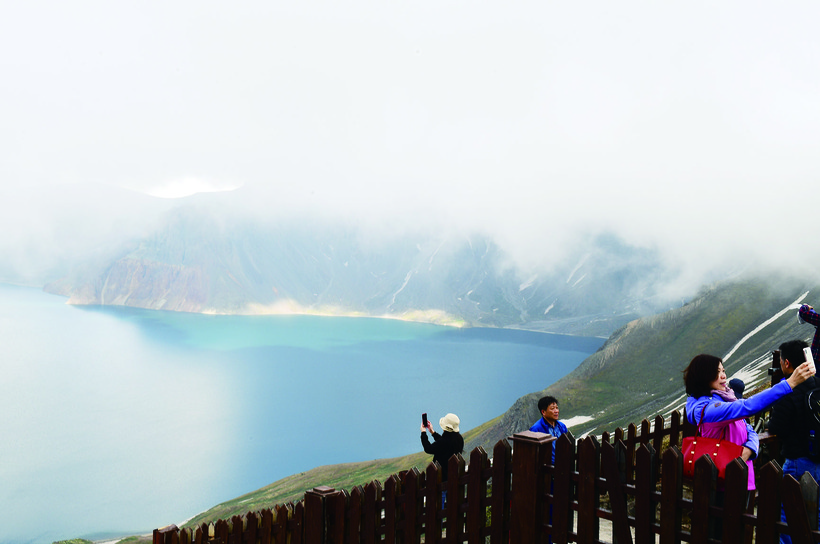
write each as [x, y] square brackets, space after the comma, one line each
[117, 420]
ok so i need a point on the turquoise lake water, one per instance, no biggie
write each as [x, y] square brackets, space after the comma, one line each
[119, 420]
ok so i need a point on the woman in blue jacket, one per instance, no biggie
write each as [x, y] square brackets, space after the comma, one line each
[713, 406]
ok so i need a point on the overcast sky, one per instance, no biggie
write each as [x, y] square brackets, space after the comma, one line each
[691, 126]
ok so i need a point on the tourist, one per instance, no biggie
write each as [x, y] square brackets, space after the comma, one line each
[548, 423]
[793, 423]
[738, 386]
[444, 446]
[713, 406]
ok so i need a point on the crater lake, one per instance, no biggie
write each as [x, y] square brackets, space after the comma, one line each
[119, 420]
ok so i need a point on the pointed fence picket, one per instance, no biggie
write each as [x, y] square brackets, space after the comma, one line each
[618, 489]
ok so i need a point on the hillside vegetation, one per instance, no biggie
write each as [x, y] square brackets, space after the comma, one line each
[635, 375]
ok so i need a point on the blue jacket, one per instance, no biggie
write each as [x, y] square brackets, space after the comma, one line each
[718, 410]
[541, 426]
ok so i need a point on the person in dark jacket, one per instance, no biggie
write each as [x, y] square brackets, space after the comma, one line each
[444, 445]
[807, 314]
[791, 422]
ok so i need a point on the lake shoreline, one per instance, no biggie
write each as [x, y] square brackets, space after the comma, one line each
[429, 317]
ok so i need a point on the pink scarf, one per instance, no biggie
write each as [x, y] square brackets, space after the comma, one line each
[735, 431]
[728, 395]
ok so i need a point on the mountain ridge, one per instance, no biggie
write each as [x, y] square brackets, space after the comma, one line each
[199, 261]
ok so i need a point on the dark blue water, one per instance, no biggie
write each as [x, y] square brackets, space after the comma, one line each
[123, 420]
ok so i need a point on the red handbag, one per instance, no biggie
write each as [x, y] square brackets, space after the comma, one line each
[719, 450]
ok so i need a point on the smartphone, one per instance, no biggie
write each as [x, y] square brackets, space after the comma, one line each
[809, 358]
[424, 419]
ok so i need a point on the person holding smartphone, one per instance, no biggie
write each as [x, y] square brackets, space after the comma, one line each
[444, 445]
[793, 423]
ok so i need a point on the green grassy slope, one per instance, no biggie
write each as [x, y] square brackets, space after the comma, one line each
[342, 476]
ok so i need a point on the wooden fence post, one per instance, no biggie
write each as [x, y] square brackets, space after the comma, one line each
[502, 479]
[221, 530]
[644, 493]
[810, 490]
[703, 497]
[266, 535]
[617, 498]
[476, 493]
[734, 504]
[645, 431]
[631, 440]
[163, 536]
[252, 529]
[392, 513]
[455, 499]
[657, 439]
[562, 488]
[355, 515]
[372, 513]
[526, 511]
[316, 514]
[796, 515]
[336, 507]
[589, 453]
[237, 528]
[283, 514]
[412, 506]
[769, 480]
[432, 504]
[297, 532]
[675, 426]
[671, 493]
[687, 428]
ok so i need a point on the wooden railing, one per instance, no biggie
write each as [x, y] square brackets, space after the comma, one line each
[617, 489]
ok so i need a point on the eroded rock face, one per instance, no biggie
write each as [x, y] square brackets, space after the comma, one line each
[147, 284]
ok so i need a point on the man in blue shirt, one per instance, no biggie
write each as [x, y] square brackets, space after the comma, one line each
[548, 406]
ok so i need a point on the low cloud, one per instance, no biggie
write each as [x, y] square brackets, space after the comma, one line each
[690, 130]
[187, 186]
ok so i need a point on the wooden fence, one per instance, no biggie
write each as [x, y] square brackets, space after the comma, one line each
[615, 490]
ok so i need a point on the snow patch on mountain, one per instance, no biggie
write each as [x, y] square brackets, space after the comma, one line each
[403, 285]
[577, 267]
[527, 283]
[793, 306]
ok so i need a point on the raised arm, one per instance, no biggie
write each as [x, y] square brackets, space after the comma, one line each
[807, 314]
[728, 411]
